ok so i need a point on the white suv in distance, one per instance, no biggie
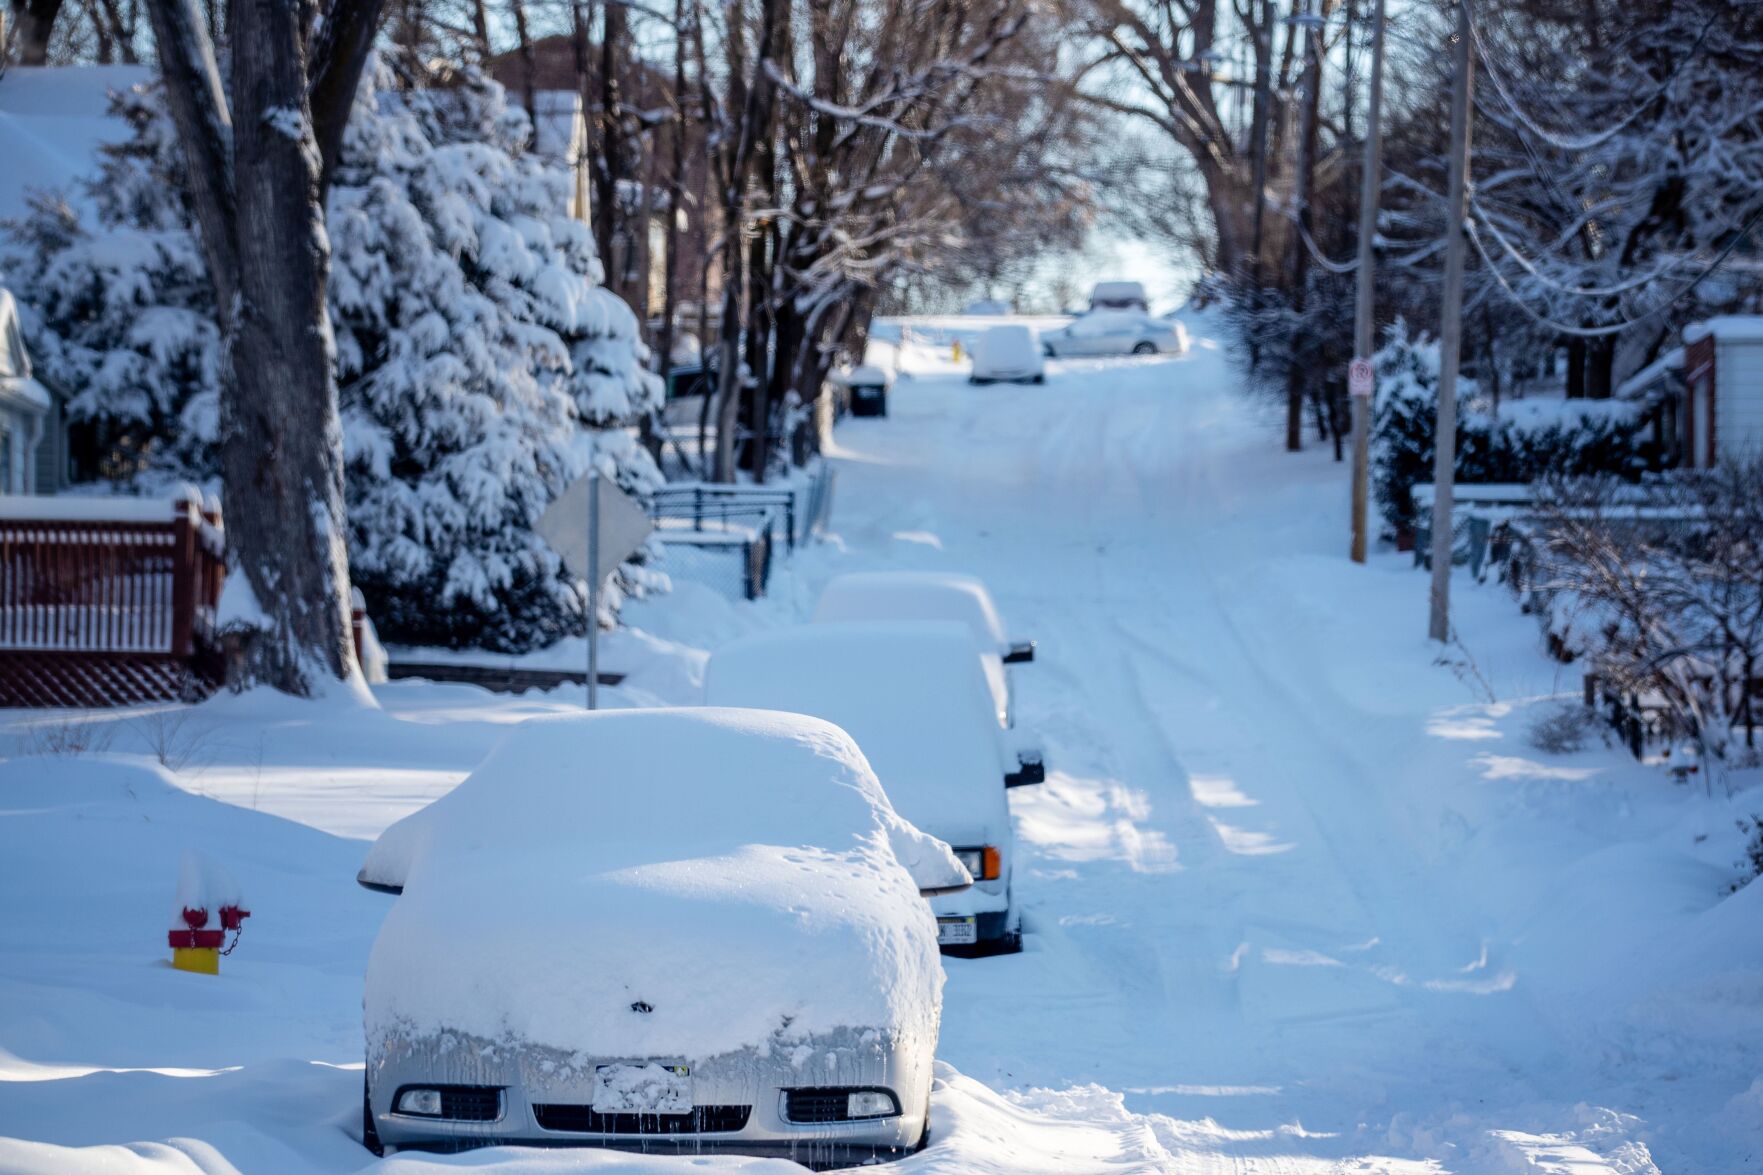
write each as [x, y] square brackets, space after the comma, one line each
[1117, 332]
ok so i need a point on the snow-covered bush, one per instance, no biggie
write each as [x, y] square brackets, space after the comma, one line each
[1563, 729]
[1660, 592]
[1526, 441]
[481, 366]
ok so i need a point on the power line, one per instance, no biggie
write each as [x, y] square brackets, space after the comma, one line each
[1595, 332]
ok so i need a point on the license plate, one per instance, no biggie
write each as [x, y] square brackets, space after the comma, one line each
[643, 1089]
[957, 931]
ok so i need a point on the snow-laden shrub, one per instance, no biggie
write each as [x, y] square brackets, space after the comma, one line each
[1527, 440]
[481, 366]
[1564, 729]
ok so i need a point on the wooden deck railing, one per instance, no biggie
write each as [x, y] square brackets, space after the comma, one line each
[73, 580]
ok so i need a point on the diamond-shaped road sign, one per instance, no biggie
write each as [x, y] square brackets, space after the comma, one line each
[623, 527]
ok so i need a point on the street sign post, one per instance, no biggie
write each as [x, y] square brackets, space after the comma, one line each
[594, 526]
[1361, 381]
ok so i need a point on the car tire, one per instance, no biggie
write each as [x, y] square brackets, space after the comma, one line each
[1144, 348]
[370, 1133]
[1039, 379]
[1049, 351]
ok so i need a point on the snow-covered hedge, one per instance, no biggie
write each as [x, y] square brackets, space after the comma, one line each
[1527, 440]
[481, 366]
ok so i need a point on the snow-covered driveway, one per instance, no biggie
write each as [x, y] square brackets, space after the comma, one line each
[1300, 896]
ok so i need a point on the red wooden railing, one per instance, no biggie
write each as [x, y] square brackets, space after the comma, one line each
[72, 580]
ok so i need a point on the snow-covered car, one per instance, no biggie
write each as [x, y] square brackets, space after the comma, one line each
[1117, 332]
[1008, 352]
[676, 930]
[913, 696]
[932, 595]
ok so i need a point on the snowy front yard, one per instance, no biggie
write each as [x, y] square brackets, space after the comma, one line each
[1300, 896]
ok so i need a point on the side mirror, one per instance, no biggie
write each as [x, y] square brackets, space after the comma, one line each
[1020, 653]
[934, 867]
[1030, 769]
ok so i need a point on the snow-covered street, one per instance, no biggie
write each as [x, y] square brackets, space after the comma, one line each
[1300, 896]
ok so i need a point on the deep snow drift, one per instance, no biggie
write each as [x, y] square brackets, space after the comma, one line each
[1300, 895]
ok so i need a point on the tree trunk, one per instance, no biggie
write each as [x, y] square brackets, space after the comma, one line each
[676, 172]
[529, 64]
[1299, 372]
[33, 21]
[255, 184]
[281, 439]
[1575, 368]
[1263, 111]
[611, 164]
[1600, 360]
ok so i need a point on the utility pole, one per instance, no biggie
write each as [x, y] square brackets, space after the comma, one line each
[1364, 324]
[1451, 332]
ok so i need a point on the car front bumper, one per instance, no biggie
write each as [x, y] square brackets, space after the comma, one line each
[544, 1097]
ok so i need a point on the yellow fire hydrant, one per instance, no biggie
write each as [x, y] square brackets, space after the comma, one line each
[197, 948]
[955, 351]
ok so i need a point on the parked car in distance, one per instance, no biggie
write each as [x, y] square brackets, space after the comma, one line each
[1119, 296]
[931, 595]
[867, 385]
[1008, 352]
[1117, 332]
[630, 929]
[911, 693]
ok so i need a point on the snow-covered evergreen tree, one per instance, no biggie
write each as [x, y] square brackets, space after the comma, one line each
[481, 366]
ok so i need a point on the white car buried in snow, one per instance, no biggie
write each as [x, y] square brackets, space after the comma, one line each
[1117, 332]
[1008, 352]
[913, 696]
[932, 595]
[665, 930]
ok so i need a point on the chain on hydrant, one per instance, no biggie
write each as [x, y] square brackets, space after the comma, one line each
[198, 948]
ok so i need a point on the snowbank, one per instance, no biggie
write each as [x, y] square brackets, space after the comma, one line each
[734, 871]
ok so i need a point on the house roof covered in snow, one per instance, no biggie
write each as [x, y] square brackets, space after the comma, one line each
[16, 384]
[1649, 377]
[53, 120]
[1747, 328]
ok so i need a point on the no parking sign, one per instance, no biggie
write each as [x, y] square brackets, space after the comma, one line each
[1360, 379]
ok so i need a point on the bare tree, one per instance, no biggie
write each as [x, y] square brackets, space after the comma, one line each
[257, 163]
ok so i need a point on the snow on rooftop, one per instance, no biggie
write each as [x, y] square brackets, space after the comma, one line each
[1746, 328]
[1646, 377]
[685, 858]
[53, 120]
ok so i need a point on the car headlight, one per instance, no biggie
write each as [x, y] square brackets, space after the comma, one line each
[426, 1102]
[870, 1103]
[984, 863]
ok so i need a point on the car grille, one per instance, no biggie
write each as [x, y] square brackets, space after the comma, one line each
[818, 1105]
[580, 1119]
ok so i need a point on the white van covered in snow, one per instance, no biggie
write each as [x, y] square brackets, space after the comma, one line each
[1008, 352]
[931, 595]
[912, 695]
